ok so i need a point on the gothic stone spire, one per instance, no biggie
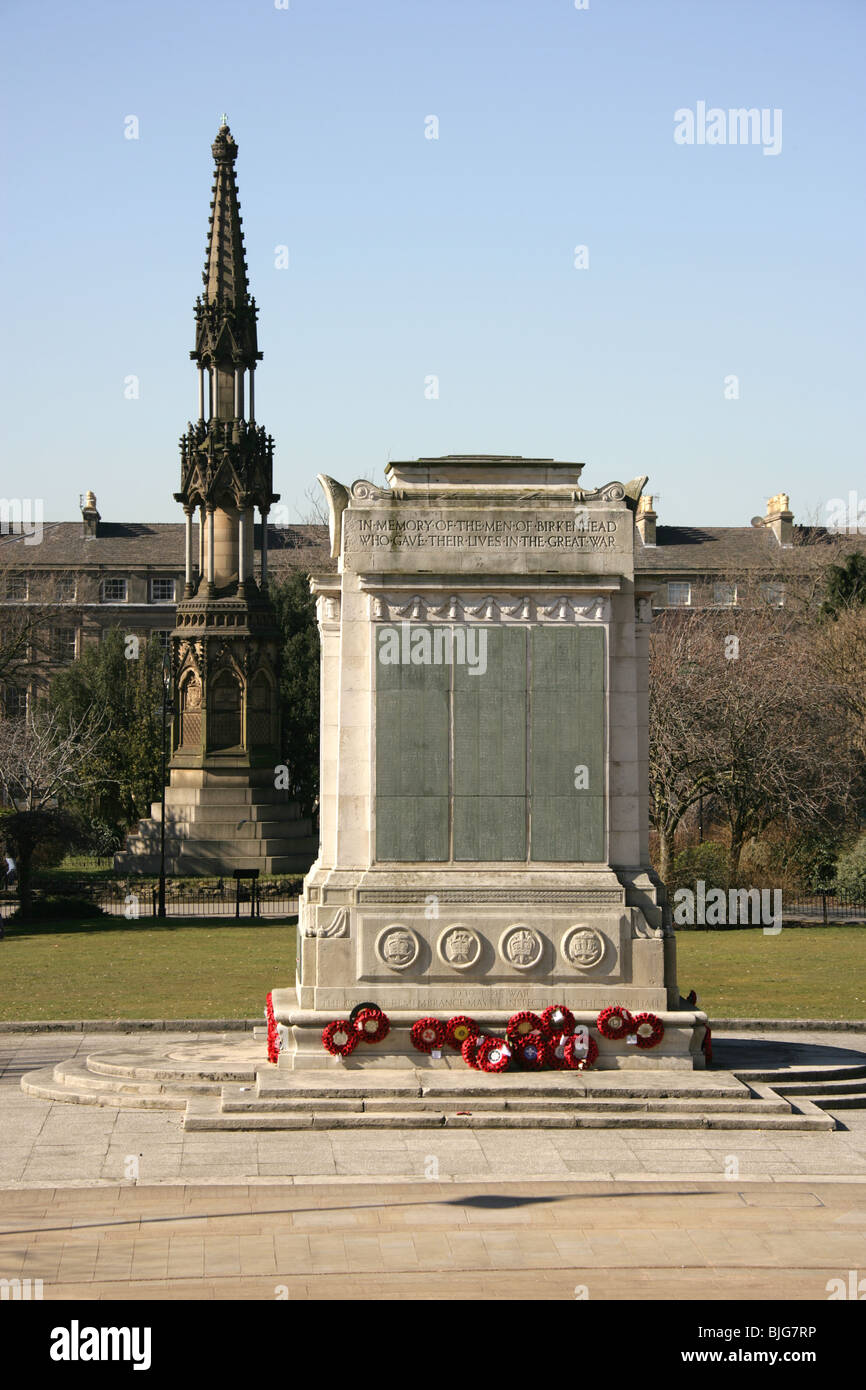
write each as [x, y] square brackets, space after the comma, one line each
[226, 315]
[226, 459]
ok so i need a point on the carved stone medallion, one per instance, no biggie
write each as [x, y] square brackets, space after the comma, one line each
[459, 947]
[583, 947]
[397, 946]
[521, 946]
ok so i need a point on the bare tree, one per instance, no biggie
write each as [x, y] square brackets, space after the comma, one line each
[41, 762]
[740, 709]
[30, 606]
[840, 653]
[680, 770]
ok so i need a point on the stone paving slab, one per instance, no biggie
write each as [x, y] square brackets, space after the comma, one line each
[49, 1143]
[564, 1239]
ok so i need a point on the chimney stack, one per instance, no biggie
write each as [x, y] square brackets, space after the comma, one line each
[90, 517]
[780, 518]
[646, 520]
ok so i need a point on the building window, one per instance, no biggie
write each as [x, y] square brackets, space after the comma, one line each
[163, 637]
[16, 586]
[15, 701]
[162, 591]
[725, 595]
[64, 588]
[63, 642]
[773, 594]
[114, 591]
[679, 595]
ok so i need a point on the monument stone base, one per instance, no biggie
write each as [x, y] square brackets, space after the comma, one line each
[424, 942]
[217, 821]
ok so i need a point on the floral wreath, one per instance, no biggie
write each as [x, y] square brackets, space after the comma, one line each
[494, 1054]
[459, 1029]
[428, 1035]
[650, 1030]
[521, 1025]
[370, 1023]
[469, 1050]
[615, 1022]
[556, 1020]
[339, 1037]
[273, 1034]
[556, 1057]
[580, 1063]
[532, 1051]
[707, 1047]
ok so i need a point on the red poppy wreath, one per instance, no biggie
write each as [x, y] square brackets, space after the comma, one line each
[494, 1054]
[556, 1051]
[521, 1025]
[615, 1022]
[557, 1020]
[458, 1029]
[339, 1038]
[371, 1024]
[273, 1035]
[650, 1030]
[428, 1035]
[574, 1059]
[532, 1052]
[469, 1050]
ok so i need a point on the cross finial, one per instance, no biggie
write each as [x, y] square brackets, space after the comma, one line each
[224, 120]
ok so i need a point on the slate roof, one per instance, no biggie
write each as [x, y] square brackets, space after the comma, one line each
[156, 544]
[737, 549]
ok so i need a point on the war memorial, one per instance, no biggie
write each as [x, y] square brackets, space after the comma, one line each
[484, 828]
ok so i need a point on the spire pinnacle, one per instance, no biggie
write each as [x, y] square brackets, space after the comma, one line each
[225, 313]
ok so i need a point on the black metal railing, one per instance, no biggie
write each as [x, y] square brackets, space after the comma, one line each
[133, 898]
[824, 907]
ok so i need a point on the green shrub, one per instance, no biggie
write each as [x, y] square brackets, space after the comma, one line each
[56, 906]
[851, 870]
[707, 861]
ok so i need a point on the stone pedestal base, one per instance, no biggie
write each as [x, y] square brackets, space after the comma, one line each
[431, 942]
[219, 821]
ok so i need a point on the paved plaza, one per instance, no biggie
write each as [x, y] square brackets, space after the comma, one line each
[106, 1203]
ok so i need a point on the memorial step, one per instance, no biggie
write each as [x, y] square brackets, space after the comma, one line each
[534, 1104]
[225, 1085]
[207, 1113]
[195, 860]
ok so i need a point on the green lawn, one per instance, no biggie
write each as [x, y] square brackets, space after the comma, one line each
[804, 972]
[99, 969]
[200, 970]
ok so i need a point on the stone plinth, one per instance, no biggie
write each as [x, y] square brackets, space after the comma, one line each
[217, 822]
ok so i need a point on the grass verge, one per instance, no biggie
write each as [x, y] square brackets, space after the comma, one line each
[803, 972]
[180, 969]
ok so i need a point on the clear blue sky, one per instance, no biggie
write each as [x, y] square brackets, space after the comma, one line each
[453, 257]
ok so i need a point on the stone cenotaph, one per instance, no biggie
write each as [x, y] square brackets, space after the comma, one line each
[484, 766]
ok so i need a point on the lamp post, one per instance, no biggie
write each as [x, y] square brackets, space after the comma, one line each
[166, 681]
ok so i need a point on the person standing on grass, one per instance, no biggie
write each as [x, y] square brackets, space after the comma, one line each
[8, 875]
